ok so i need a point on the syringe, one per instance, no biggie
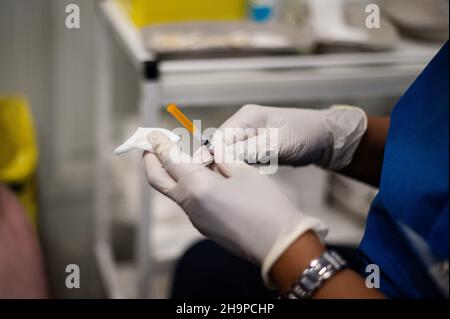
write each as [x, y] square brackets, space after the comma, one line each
[187, 123]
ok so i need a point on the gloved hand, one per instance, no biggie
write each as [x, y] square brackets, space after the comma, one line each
[328, 138]
[239, 208]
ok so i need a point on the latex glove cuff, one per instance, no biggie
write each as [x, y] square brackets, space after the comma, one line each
[289, 235]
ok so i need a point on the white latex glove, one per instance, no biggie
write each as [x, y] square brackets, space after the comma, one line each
[241, 210]
[328, 138]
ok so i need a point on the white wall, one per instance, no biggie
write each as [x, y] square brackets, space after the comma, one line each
[55, 68]
[24, 54]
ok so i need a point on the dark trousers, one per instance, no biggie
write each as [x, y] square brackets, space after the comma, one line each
[207, 271]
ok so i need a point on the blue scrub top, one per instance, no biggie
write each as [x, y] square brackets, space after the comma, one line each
[407, 228]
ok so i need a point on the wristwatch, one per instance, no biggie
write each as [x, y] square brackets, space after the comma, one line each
[319, 270]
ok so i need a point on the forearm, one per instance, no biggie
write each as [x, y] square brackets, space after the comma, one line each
[367, 161]
[345, 284]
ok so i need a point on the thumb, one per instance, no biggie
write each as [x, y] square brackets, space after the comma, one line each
[203, 156]
[174, 161]
[256, 149]
[229, 162]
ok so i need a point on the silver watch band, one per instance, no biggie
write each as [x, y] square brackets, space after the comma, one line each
[319, 270]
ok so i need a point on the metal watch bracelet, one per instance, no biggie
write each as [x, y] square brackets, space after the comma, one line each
[319, 270]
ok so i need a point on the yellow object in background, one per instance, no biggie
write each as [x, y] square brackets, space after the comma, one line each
[147, 12]
[18, 151]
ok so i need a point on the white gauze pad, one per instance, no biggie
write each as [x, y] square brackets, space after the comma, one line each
[139, 140]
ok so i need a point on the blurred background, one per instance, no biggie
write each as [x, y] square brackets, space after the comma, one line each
[78, 77]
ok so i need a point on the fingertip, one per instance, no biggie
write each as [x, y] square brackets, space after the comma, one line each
[203, 156]
[156, 137]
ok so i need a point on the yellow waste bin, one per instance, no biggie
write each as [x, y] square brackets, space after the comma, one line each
[18, 151]
[147, 12]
